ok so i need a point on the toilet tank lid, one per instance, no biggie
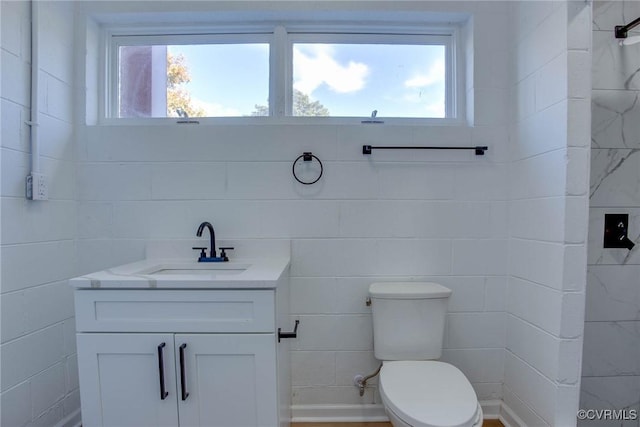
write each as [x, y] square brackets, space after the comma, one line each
[408, 290]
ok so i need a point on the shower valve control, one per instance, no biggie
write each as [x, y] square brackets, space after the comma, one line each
[616, 228]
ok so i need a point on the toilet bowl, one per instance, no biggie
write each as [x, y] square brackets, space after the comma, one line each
[428, 394]
[416, 389]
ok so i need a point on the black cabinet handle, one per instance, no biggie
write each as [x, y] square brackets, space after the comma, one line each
[163, 392]
[183, 379]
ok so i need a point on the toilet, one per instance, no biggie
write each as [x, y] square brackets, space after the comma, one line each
[416, 389]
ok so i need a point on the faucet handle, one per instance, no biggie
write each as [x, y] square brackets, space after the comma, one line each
[203, 251]
[223, 254]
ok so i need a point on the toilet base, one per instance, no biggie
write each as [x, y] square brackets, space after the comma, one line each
[397, 422]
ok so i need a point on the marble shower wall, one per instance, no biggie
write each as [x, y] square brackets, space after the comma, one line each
[611, 361]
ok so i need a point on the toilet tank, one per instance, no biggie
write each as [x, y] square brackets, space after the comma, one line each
[408, 319]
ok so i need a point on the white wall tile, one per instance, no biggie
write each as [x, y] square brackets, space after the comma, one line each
[481, 182]
[313, 295]
[69, 332]
[185, 181]
[614, 177]
[338, 332]
[298, 219]
[48, 304]
[539, 219]
[552, 84]
[475, 330]
[71, 402]
[54, 259]
[313, 368]
[328, 395]
[613, 293]
[15, 79]
[522, 409]
[24, 221]
[580, 25]
[15, 17]
[16, 403]
[536, 304]
[493, 110]
[385, 218]
[611, 349]
[47, 388]
[579, 74]
[533, 388]
[114, 181]
[540, 176]
[479, 257]
[613, 124]
[526, 257]
[488, 391]
[613, 67]
[478, 365]
[540, 133]
[578, 171]
[579, 123]
[414, 181]
[413, 257]
[24, 357]
[71, 373]
[542, 350]
[13, 312]
[58, 99]
[495, 293]
[51, 417]
[619, 392]
[14, 132]
[95, 220]
[57, 138]
[57, 58]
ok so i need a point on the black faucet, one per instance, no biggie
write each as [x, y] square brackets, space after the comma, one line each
[211, 233]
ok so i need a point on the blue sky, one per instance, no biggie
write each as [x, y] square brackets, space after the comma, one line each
[348, 79]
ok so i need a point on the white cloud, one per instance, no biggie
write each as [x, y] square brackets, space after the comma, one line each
[318, 66]
[215, 110]
[435, 75]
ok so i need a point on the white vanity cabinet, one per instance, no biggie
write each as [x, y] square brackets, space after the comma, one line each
[193, 357]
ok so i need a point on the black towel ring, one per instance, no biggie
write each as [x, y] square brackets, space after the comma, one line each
[307, 157]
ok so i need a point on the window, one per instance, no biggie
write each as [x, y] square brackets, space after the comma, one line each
[200, 77]
[353, 79]
[298, 73]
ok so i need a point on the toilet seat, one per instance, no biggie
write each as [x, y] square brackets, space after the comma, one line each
[428, 394]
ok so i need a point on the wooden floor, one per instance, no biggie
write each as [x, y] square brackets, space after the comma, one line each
[486, 423]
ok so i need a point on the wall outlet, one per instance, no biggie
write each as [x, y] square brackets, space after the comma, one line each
[37, 187]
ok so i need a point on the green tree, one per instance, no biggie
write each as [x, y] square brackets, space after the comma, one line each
[302, 106]
[178, 96]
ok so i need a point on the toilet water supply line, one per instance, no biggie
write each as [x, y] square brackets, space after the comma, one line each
[35, 178]
[361, 382]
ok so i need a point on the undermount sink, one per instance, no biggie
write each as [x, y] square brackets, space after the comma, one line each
[204, 269]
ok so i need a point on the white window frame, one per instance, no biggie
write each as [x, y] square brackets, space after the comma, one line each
[281, 38]
[379, 37]
[149, 38]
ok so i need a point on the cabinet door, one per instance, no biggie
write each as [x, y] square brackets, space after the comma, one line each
[230, 380]
[120, 380]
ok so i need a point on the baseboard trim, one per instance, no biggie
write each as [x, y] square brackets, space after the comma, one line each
[338, 413]
[492, 409]
[74, 419]
[509, 418]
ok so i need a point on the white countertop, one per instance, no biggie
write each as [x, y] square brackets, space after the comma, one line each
[250, 273]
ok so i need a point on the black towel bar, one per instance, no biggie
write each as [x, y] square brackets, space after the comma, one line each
[366, 149]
